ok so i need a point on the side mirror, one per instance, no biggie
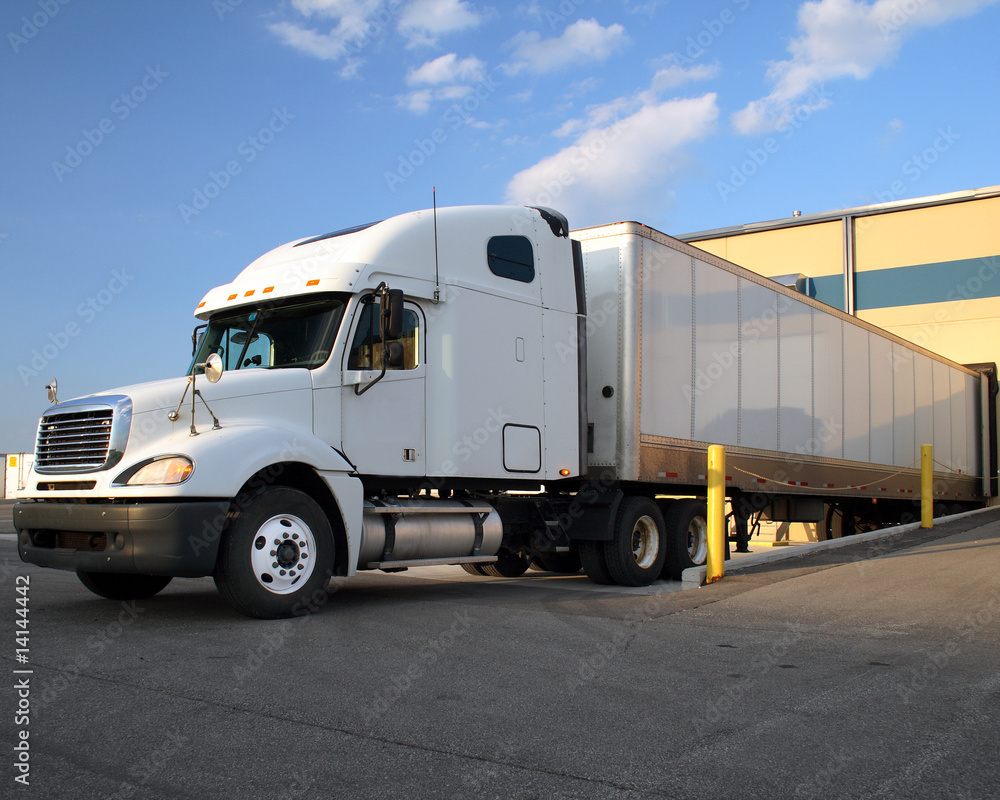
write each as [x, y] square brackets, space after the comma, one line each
[392, 313]
[213, 368]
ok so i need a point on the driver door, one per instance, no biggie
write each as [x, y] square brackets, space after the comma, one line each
[384, 428]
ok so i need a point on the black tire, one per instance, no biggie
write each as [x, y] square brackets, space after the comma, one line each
[840, 521]
[636, 554]
[687, 536]
[507, 565]
[474, 569]
[594, 562]
[561, 563]
[117, 586]
[275, 555]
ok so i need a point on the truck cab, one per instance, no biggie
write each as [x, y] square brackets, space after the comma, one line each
[349, 396]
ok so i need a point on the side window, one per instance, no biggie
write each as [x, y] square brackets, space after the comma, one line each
[366, 349]
[511, 257]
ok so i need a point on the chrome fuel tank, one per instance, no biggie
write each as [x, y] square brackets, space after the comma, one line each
[402, 529]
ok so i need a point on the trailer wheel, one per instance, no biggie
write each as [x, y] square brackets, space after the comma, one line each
[636, 553]
[687, 534]
[594, 562]
[474, 569]
[275, 554]
[508, 565]
[117, 586]
[840, 521]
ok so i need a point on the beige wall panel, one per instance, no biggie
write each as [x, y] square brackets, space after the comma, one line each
[966, 331]
[815, 250]
[928, 235]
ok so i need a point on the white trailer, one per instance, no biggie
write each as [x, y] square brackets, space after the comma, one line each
[16, 470]
[476, 386]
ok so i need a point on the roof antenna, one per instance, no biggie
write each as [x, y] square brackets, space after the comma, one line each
[437, 280]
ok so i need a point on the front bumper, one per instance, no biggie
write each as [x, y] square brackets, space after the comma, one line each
[177, 539]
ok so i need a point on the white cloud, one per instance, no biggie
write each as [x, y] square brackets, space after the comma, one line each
[340, 30]
[842, 38]
[423, 21]
[418, 102]
[447, 69]
[893, 131]
[356, 23]
[583, 41]
[620, 168]
[675, 75]
[447, 77]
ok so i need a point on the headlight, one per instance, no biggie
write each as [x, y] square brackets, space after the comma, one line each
[162, 471]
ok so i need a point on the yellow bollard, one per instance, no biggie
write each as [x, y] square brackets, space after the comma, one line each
[926, 486]
[716, 513]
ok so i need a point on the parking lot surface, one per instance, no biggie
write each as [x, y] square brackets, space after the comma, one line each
[868, 671]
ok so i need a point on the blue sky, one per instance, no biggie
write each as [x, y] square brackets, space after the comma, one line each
[151, 150]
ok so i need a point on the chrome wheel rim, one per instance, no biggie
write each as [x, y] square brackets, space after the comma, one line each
[645, 542]
[697, 540]
[283, 554]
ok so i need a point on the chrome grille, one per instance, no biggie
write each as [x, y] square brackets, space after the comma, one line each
[83, 436]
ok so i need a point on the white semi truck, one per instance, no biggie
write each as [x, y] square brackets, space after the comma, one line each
[480, 386]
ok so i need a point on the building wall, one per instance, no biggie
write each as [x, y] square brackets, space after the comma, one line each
[932, 275]
[927, 270]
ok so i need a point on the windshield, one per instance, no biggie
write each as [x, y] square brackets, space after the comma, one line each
[296, 334]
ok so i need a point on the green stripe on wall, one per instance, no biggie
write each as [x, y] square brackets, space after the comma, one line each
[944, 281]
[830, 290]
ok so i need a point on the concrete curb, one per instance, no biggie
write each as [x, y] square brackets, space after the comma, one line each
[694, 577]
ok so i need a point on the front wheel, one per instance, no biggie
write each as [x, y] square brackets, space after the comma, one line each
[117, 586]
[276, 553]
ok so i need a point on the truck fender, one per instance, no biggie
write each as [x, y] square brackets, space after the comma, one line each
[226, 459]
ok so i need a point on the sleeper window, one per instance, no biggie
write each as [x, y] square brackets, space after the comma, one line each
[511, 257]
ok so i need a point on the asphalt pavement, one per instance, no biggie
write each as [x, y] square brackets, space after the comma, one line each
[868, 670]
